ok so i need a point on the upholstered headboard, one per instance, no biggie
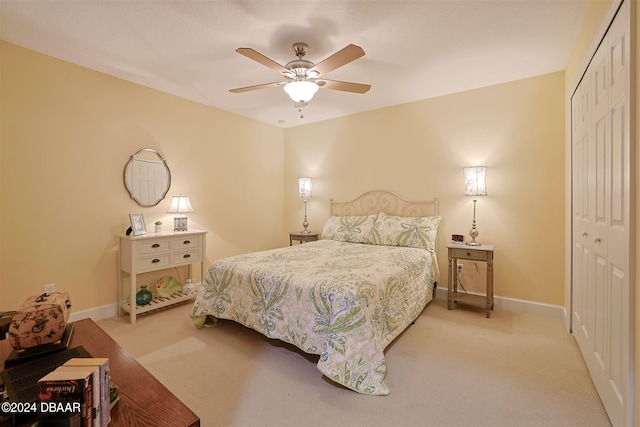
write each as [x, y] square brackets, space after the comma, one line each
[377, 201]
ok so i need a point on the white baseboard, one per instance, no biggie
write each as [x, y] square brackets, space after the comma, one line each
[105, 311]
[518, 305]
[97, 313]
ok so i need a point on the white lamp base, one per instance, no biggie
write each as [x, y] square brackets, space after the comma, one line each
[179, 223]
[305, 223]
[474, 231]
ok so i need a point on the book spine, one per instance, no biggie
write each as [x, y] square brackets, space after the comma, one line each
[105, 381]
[58, 398]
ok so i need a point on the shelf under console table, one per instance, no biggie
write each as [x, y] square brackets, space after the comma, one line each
[153, 252]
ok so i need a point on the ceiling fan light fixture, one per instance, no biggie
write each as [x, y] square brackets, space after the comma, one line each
[301, 90]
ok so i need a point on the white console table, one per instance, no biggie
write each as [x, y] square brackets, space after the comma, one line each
[157, 251]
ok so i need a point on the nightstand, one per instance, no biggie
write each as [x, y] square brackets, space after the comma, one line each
[300, 236]
[482, 253]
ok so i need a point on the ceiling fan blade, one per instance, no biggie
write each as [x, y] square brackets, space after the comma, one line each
[258, 57]
[343, 86]
[255, 87]
[338, 59]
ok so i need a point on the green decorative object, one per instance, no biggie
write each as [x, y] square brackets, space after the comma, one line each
[167, 286]
[144, 296]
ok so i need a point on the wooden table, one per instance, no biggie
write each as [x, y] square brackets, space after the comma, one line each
[472, 253]
[144, 401]
[301, 236]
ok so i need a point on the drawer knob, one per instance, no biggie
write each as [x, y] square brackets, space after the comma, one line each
[186, 242]
[187, 256]
[155, 260]
[155, 245]
[468, 253]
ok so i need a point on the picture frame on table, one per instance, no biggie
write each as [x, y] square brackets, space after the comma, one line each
[138, 227]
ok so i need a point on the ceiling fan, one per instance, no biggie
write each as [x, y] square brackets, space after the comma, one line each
[302, 77]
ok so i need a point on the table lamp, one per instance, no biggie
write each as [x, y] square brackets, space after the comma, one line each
[304, 192]
[180, 205]
[475, 185]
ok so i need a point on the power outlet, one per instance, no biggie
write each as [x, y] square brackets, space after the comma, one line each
[47, 289]
[460, 268]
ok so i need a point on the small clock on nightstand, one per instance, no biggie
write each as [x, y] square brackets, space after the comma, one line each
[301, 236]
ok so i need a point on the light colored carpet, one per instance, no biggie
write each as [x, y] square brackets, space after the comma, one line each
[451, 368]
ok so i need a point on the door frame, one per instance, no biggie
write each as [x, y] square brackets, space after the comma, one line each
[590, 53]
[569, 247]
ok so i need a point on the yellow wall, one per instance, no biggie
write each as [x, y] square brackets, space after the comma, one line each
[418, 150]
[636, 286]
[66, 135]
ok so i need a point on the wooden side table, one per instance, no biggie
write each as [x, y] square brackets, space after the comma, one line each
[473, 253]
[300, 236]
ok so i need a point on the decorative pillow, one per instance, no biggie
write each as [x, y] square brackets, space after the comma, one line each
[352, 229]
[167, 286]
[417, 232]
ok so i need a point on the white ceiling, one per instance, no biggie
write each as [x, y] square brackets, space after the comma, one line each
[414, 49]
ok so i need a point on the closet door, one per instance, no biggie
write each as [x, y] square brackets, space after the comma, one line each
[602, 300]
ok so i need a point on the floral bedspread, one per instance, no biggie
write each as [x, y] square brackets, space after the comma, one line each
[345, 302]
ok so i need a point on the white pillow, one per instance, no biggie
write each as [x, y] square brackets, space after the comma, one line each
[352, 229]
[417, 232]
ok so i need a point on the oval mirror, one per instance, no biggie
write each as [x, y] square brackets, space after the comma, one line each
[147, 177]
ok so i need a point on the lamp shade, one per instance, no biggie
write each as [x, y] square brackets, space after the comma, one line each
[301, 91]
[475, 181]
[304, 188]
[180, 204]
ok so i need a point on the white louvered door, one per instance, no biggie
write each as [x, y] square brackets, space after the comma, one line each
[602, 299]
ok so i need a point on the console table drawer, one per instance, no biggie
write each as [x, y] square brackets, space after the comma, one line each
[154, 246]
[186, 242]
[469, 254]
[155, 262]
[186, 257]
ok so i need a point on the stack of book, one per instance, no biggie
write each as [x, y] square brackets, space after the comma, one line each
[76, 394]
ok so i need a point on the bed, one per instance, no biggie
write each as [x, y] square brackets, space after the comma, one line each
[345, 297]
